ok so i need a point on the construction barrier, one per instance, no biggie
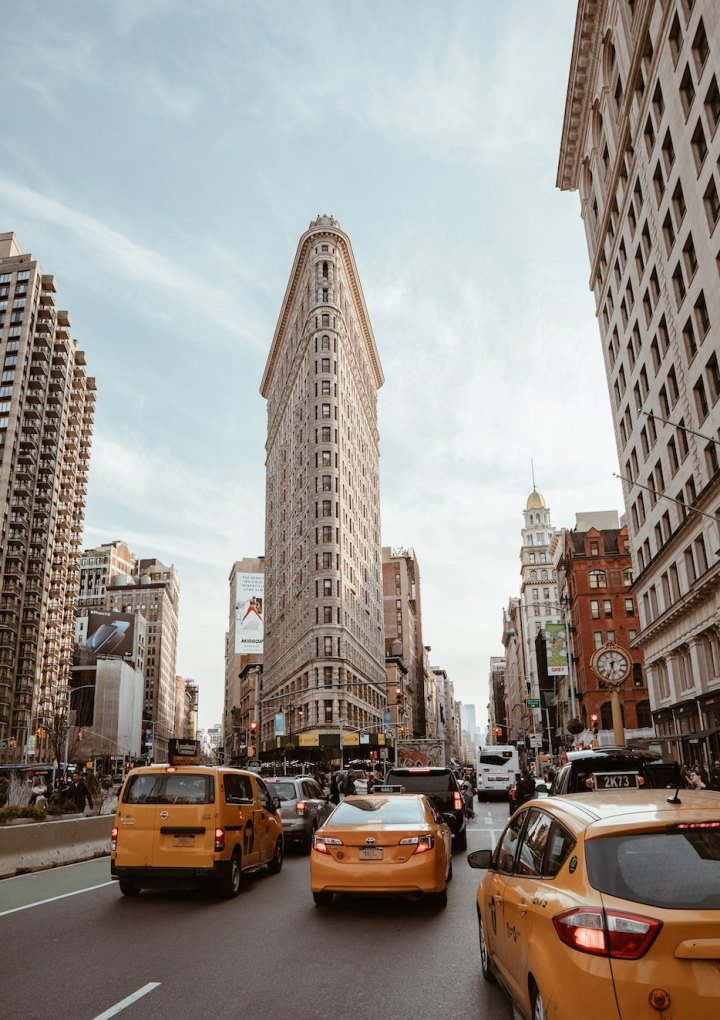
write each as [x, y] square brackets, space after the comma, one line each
[36, 846]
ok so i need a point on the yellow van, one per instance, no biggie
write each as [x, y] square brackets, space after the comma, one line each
[190, 824]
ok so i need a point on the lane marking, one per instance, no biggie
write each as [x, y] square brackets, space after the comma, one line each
[41, 903]
[119, 1006]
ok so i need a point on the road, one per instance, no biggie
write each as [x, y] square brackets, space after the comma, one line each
[74, 948]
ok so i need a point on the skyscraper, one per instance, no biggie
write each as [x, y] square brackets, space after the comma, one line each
[46, 416]
[324, 650]
[640, 144]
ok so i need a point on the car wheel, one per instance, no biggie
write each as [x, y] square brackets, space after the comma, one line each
[460, 840]
[129, 888]
[538, 1006]
[438, 899]
[231, 877]
[485, 955]
[276, 862]
[323, 899]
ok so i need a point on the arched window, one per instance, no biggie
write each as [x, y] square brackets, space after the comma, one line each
[543, 575]
[597, 579]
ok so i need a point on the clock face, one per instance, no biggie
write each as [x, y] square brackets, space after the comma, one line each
[612, 664]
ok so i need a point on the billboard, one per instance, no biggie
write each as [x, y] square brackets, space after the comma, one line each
[249, 625]
[556, 649]
[108, 634]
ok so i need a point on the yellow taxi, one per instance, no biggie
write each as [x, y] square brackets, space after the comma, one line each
[194, 824]
[606, 906]
[385, 843]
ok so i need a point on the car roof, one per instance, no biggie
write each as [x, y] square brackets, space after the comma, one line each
[422, 770]
[606, 811]
[638, 753]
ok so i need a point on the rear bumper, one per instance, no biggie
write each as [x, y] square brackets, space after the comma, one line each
[374, 877]
[158, 877]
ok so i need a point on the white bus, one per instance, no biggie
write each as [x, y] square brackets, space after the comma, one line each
[497, 767]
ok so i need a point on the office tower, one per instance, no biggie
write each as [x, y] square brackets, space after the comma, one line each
[403, 628]
[324, 656]
[46, 416]
[153, 593]
[244, 642]
[640, 144]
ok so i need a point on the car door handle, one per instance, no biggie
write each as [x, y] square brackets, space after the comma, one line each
[523, 907]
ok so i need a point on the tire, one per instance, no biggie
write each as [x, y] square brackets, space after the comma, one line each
[276, 861]
[438, 899]
[484, 955]
[128, 888]
[231, 877]
[323, 899]
[460, 840]
[538, 1006]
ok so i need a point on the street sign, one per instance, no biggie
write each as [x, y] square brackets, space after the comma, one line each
[535, 740]
[532, 702]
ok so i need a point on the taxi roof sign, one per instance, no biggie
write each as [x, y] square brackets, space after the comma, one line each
[183, 752]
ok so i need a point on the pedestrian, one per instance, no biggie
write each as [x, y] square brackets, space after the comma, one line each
[334, 789]
[349, 788]
[702, 772]
[371, 780]
[524, 787]
[79, 793]
[467, 793]
[715, 776]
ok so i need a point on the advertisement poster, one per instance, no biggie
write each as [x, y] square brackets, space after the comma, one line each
[249, 626]
[557, 660]
[109, 634]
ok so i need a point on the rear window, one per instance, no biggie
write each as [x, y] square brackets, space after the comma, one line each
[428, 782]
[393, 810]
[677, 870]
[285, 791]
[486, 758]
[169, 788]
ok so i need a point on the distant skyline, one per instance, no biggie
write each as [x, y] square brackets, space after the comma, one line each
[161, 159]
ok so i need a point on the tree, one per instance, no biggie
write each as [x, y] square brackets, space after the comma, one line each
[63, 737]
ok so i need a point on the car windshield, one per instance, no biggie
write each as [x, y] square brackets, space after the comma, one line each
[391, 810]
[678, 870]
[172, 788]
[285, 791]
[423, 782]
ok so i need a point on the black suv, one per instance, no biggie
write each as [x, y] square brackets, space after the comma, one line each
[441, 787]
[614, 768]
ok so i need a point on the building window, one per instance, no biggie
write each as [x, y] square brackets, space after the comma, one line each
[327, 646]
[594, 548]
[597, 579]
[598, 638]
[594, 609]
[607, 607]
[629, 607]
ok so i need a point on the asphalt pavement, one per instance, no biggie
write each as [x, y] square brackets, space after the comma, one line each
[74, 948]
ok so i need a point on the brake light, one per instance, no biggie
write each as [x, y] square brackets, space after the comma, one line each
[301, 807]
[169, 768]
[113, 838]
[422, 843]
[612, 933]
[323, 843]
[457, 801]
[695, 825]
[219, 840]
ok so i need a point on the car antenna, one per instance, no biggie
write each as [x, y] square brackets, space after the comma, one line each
[675, 799]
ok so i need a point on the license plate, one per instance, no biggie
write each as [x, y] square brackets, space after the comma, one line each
[183, 841]
[371, 853]
[616, 780]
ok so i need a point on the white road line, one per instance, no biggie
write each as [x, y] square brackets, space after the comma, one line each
[52, 899]
[119, 1006]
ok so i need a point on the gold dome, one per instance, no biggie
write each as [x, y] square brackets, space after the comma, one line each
[535, 501]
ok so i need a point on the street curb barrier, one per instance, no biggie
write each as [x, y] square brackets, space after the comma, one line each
[40, 845]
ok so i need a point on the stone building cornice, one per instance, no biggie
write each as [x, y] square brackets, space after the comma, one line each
[583, 65]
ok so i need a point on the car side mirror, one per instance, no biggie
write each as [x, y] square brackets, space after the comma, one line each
[480, 859]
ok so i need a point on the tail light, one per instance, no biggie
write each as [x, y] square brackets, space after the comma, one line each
[458, 801]
[219, 840]
[113, 838]
[612, 933]
[301, 808]
[422, 843]
[323, 843]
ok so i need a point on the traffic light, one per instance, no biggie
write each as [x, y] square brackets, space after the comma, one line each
[253, 728]
[497, 731]
[398, 693]
[40, 732]
[595, 725]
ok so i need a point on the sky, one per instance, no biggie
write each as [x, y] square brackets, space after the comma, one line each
[161, 158]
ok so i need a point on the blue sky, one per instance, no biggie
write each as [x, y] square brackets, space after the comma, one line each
[162, 158]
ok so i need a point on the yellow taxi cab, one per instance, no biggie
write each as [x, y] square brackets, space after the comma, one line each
[382, 844]
[190, 824]
[606, 906]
